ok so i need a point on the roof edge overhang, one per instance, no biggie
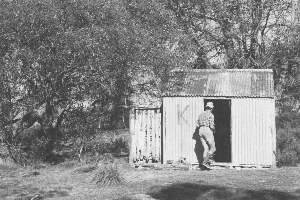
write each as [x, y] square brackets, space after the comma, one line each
[223, 70]
[214, 96]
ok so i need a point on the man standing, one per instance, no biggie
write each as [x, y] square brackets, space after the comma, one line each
[206, 126]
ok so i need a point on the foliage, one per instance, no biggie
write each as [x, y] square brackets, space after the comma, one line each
[56, 54]
[288, 139]
[81, 126]
[162, 45]
[285, 62]
[105, 151]
[231, 34]
[108, 175]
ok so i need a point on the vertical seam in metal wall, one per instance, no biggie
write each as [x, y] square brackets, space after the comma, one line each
[241, 131]
[238, 124]
[248, 156]
[182, 100]
[179, 143]
[268, 133]
[132, 128]
[174, 132]
[164, 129]
[143, 133]
[191, 127]
[274, 144]
[159, 131]
[262, 142]
[256, 131]
[246, 130]
[246, 120]
[260, 129]
[148, 132]
[154, 136]
[176, 129]
[253, 133]
[169, 130]
[184, 134]
[233, 131]
[155, 132]
[138, 133]
[265, 148]
[193, 157]
[158, 115]
[190, 149]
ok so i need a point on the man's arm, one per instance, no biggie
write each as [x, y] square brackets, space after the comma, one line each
[212, 123]
[198, 122]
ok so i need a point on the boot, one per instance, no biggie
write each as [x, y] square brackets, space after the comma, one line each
[205, 161]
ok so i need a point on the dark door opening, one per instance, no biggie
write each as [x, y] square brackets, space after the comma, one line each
[222, 114]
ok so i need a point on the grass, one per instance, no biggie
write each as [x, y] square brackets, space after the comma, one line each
[76, 182]
[73, 180]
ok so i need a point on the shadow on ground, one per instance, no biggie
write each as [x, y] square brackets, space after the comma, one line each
[189, 191]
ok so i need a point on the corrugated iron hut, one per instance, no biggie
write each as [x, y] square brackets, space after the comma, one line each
[244, 117]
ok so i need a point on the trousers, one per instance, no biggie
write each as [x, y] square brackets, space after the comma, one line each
[206, 133]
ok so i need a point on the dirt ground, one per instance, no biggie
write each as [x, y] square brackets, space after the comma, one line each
[70, 180]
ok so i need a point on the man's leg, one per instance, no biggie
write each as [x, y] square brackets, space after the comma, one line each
[212, 150]
[205, 147]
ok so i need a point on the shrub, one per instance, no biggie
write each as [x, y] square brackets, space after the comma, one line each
[108, 175]
[119, 145]
[288, 120]
[288, 139]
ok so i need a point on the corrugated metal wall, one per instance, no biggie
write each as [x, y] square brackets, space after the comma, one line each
[145, 128]
[179, 122]
[252, 129]
[253, 136]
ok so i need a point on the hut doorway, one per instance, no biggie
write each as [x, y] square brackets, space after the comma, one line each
[222, 114]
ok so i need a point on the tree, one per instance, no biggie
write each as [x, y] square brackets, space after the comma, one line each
[56, 53]
[162, 47]
[60, 53]
[235, 32]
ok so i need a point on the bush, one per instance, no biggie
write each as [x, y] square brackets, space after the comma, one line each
[108, 176]
[288, 120]
[115, 145]
[288, 140]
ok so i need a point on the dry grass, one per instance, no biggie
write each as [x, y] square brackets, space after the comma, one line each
[108, 175]
[72, 181]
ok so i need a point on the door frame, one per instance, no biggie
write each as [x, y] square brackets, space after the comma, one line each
[205, 99]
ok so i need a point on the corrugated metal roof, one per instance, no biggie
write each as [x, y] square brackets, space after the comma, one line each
[223, 82]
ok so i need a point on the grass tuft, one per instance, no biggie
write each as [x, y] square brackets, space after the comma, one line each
[108, 176]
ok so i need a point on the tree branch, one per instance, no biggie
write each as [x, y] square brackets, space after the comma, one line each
[266, 22]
